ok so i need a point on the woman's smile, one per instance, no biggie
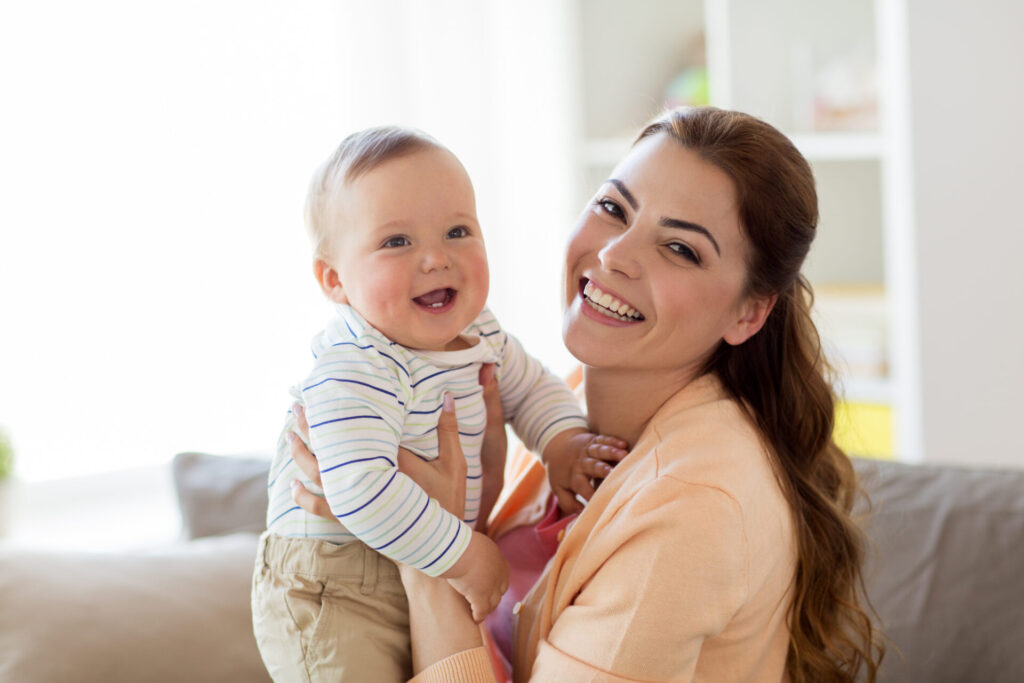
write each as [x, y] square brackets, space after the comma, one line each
[608, 304]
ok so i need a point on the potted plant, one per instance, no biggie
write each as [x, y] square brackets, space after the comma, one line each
[6, 470]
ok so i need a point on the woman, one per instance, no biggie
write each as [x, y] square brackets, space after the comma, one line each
[722, 547]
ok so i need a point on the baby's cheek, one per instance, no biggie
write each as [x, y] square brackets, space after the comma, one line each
[480, 277]
[385, 301]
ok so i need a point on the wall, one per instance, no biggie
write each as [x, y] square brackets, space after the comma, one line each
[966, 70]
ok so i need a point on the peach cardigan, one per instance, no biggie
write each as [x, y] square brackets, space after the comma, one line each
[679, 569]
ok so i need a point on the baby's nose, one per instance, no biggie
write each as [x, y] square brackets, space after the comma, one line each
[435, 259]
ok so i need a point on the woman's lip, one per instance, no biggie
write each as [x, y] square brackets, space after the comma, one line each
[588, 312]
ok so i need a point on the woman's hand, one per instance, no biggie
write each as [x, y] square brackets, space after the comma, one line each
[431, 601]
[441, 478]
[306, 461]
[481, 573]
[494, 451]
[444, 479]
[432, 477]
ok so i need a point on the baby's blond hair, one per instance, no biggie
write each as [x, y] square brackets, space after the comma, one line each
[357, 154]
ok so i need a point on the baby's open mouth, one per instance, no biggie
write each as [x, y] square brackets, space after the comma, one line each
[605, 303]
[437, 299]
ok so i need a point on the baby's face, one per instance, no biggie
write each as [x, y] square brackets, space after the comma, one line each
[409, 252]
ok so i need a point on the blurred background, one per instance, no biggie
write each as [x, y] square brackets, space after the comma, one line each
[155, 280]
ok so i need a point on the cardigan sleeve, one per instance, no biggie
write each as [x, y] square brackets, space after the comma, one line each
[669, 570]
[468, 666]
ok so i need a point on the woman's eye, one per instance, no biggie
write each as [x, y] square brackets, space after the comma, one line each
[396, 241]
[684, 251]
[457, 232]
[611, 208]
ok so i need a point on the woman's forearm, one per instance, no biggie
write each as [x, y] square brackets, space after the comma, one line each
[440, 622]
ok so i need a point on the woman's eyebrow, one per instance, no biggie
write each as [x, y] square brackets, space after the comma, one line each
[687, 225]
[667, 222]
[621, 186]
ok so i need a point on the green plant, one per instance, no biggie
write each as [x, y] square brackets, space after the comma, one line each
[6, 456]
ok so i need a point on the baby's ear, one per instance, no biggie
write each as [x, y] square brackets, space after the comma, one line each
[330, 283]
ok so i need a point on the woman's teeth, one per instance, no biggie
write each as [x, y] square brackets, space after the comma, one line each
[609, 305]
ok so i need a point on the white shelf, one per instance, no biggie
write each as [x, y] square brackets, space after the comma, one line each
[809, 69]
[839, 146]
[878, 390]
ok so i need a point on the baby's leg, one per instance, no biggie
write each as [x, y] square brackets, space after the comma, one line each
[324, 612]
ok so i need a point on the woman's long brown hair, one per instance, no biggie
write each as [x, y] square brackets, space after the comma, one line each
[781, 376]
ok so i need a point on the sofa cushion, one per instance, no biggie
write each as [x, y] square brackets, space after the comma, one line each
[178, 615]
[220, 494]
[946, 570]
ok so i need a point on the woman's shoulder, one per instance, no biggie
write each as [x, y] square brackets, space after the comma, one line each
[702, 419]
[704, 437]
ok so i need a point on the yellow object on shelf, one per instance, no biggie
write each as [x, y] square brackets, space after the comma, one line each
[864, 429]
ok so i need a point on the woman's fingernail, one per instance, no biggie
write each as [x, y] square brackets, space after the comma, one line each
[291, 437]
[449, 402]
[295, 483]
[297, 409]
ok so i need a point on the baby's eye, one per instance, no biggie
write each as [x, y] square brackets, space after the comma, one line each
[457, 232]
[685, 251]
[396, 241]
[611, 208]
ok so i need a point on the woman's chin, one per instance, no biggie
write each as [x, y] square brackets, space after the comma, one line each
[584, 347]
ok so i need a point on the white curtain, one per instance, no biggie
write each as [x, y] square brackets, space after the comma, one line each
[155, 286]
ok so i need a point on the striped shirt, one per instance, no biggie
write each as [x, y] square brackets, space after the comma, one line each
[367, 395]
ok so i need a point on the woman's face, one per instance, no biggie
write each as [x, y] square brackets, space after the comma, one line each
[656, 267]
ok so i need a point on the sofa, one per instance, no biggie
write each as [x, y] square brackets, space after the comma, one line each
[945, 575]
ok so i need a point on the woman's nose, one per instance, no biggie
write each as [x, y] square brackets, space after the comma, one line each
[619, 255]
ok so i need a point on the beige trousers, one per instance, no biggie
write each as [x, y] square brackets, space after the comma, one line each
[326, 612]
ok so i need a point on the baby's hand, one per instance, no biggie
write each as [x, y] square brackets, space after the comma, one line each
[480, 575]
[577, 461]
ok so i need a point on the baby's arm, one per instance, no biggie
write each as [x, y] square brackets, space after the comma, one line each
[481, 573]
[546, 416]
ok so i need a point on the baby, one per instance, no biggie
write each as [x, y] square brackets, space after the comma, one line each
[400, 253]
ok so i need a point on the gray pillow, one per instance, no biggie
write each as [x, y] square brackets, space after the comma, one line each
[220, 494]
[946, 570]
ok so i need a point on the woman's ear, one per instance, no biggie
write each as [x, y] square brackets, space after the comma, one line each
[329, 282]
[753, 314]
